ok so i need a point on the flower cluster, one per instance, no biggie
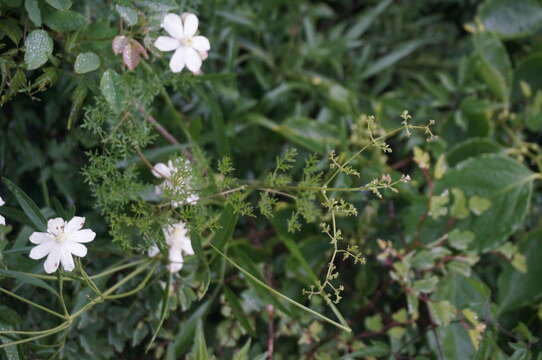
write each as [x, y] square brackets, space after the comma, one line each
[174, 181]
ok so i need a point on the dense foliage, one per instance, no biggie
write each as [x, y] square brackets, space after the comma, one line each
[358, 179]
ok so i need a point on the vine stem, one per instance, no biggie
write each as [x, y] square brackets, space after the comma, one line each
[279, 294]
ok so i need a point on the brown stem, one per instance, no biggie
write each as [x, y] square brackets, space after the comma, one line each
[162, 130]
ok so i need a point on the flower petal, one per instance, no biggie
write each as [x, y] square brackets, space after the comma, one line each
[201, 43]
[40, 237]
[66, 259]
[190, 22]
[175, 260]
[76, 249]
[166, 43]
[160, 170]
[53, 260]
[55, 226]
[173, 24]
[2, 220]
[153, 251]
[74, 224]
[176, 64]
[2, 202]
[82, 236]
[41, 250]
[186, 246]
[192, 60]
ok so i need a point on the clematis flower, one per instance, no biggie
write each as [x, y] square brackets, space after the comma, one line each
[179, 243]
[2, 219]
[161, 170]
[190, 50]
[62, 240]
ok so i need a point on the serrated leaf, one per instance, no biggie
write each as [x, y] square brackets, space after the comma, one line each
[516, 289]
[38, 48]
[86, 62]
[459, 239]
[425, 285]
[30, 208]
[442, 312]
[500, 179]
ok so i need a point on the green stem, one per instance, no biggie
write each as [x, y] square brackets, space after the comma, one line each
[41, 307]
[280, 295]
[32, 338]
[60, 291]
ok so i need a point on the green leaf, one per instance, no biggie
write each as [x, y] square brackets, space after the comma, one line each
[459, 207]
[464, 292]
[86, 62]
[471, 148]
[503, 181]
[396, 55]
[478, 205]
[60, 4]
[376, 349]
[442, 312]
[200, 347]
[366, 19]
[427, 285]
[127, 14]
[460, 240]
[110, 89]
[29, 207]
[374, 323]
[39, 46]
[242, 354]
[517, 289]
[64, 20]
[309, 133]
[27, 279]
[511, 18]
[451, 342]
[34, 12]
[11, 29]
[185, 337]
[493, 64]
[11, 352]
[238, 311]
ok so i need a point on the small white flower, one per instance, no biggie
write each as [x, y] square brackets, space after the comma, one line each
[190, 50]
[62, 240]
[2, 219]
[161, 170]
[153, 251]
[179, 243]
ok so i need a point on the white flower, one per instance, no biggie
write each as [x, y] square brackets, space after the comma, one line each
[179, 243]
[153, 251]
[190, 50]
[2, 219]
[62, 240]
[168, 171]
